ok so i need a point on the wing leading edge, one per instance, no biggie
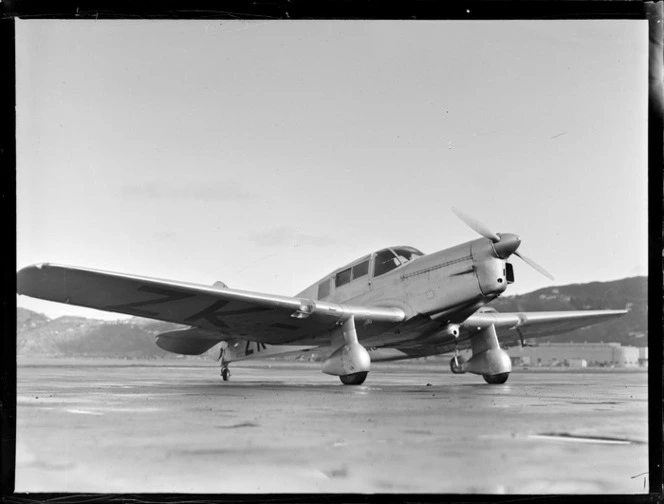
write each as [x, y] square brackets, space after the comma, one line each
[265, 318]
[522, 325]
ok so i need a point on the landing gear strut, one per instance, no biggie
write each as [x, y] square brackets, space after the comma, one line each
[354, 379]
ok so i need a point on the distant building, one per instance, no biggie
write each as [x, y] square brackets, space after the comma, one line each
[520, 360]
[578, 363]
[579, 355]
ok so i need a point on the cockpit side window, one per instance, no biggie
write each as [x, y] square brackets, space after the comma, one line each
[342, 278]
[324, 289]
[359, 270]
[385, 261]
[406, 254]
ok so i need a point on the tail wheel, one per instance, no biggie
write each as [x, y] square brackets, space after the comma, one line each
[225, 374]
[455, 364]
[496, 379]
[354, 379]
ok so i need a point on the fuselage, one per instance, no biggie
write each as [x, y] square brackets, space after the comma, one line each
[435, 291]
[436, 284]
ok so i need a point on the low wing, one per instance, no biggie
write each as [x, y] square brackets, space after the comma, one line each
[511, 327]
[265, 318]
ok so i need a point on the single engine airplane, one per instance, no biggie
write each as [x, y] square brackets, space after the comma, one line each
[396, 303]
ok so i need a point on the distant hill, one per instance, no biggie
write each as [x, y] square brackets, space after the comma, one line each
[27, 320]
[134, 338]
[629, 293]
[79, 336]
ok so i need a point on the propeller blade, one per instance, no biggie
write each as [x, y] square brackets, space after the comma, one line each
[505, 249]
[534, 265]
[476, 225]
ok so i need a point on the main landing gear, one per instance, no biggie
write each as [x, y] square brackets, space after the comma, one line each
[354, 379]
[494, 379]
[488, 359]
[350, 361]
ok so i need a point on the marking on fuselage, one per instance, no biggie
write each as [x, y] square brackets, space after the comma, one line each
[168, 296]
[437, 266]
[259, 346]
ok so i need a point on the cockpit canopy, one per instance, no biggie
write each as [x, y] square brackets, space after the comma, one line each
[390, 258]
[383, 261]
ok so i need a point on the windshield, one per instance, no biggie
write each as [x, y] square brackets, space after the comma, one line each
[384, 262]
[406, 254]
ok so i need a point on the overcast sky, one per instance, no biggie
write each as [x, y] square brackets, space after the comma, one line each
[266, 154]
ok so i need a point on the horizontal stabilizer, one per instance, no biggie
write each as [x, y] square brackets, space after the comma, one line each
[192, 341]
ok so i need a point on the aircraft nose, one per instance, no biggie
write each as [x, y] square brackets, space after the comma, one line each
[507, 245]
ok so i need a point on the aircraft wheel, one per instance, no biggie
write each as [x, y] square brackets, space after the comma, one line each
[455, 365]
[225, 374]
[354, 379]
[496, 378]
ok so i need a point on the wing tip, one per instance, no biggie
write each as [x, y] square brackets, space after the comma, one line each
[36, 266]
[27, 276]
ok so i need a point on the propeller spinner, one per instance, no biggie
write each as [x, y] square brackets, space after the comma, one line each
[505, 244]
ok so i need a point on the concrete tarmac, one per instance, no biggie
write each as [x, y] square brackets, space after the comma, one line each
[162, 426]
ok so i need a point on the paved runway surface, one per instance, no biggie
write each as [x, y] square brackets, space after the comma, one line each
[95, 426]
